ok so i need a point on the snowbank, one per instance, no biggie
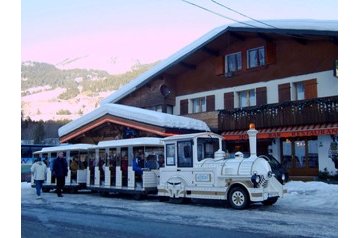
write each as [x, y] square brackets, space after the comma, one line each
[311, 195]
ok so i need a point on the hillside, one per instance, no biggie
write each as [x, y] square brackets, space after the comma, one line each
[49, 93]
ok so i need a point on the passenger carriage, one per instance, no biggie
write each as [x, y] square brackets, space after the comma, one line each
[76, 156]
[112, 169]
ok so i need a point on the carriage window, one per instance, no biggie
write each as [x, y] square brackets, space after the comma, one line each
[185, 154]
[170, 154]
[207, 147]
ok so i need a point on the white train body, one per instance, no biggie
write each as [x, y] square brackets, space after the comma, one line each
[185, 166]
[209, 175]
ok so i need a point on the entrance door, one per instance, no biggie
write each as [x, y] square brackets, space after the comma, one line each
[300, 157]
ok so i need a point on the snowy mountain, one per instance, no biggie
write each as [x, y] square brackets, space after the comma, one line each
[50, 93]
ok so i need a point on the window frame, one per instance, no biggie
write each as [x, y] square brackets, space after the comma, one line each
[202, 106]
[182, 164]
[297, 86]
[248, 98]
[237, 66]
[166, 155]
[258, 61]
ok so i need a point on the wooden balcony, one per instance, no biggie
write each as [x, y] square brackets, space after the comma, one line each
[210, 118]
[292, 113]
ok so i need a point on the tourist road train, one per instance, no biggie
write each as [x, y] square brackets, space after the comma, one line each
[177, 168]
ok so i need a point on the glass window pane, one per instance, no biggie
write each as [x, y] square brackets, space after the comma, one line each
[170, 109]
[185, 152]
[231, 63]
[252, 98]
[170, 154]
[243, 99]
[195, 105]
[300, 156]
[252, 59]
[287, 153]
[238, 61]
[203, 105]
[313, 153]
[300, 91]
[262, 56]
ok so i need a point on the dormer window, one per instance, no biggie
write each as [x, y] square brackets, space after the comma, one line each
[256, 57]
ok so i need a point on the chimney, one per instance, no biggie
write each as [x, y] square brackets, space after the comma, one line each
[252, 139]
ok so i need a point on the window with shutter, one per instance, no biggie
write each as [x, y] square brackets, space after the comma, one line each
[184, 107]
[284, 92]
[210, 103]
[310, 88]
[261, 96]
[229, 101]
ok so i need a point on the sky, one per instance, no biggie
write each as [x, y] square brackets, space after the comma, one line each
[114, 35]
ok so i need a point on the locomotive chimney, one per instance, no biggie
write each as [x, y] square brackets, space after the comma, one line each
[252, 132]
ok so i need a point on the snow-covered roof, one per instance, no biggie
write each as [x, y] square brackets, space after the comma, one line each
[135, 114]
[314, 27]
[66, 147]
[191, 136]
[143, 141]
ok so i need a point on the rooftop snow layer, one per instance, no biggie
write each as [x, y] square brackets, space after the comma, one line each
[143, 141]
[299, 25]
[135, 114]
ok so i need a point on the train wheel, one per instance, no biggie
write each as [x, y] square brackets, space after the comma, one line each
[176, 200]
[238, 198]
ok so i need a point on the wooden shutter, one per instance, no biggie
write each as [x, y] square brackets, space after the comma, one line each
[219, 65]
[261, 96]
[310, 88]
[184, 107]
[229, 101]
[284, 92]
[210, 103]
[270, 52]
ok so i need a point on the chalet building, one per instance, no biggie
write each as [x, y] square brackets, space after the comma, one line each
[283, 79]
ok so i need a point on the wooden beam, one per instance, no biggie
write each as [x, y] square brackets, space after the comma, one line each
[264, 36]
[211, 51]
[237, 36]
[188, 66]
[300, 39]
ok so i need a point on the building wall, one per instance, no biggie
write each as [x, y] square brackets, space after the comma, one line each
[291, 59]
[288, 60]
[327, 86]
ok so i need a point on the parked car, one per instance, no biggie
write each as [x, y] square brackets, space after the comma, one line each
[280, 171]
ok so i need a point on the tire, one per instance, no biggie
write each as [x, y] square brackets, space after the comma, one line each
[45, 190]
[238, 198]
[176, 200]
[163, 199]
[270, 201]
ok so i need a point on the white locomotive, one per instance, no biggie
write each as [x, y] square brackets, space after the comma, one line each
[196, 168]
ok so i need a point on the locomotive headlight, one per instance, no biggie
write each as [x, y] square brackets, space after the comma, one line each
[255, 179]
[283, 177]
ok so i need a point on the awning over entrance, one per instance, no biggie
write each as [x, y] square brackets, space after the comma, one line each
[286, 132]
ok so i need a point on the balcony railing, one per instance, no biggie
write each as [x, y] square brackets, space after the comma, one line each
[292, 113]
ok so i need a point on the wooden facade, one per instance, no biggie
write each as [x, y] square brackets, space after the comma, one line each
[285, 56]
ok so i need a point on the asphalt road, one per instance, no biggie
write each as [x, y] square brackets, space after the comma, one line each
[43, 220]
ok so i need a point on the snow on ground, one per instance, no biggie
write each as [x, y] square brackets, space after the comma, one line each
[309, 209]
